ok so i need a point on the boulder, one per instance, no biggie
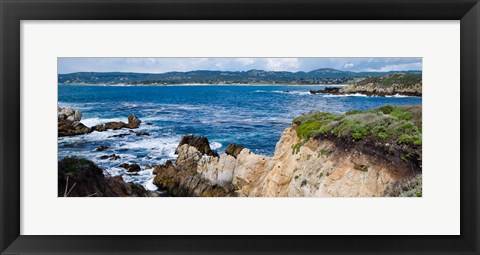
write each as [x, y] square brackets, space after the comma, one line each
[327, 90]
[132, 168]
[133, 121]
[111, 157]
[102, 148]
[199, 142]
[115, 125]
[79, 177]
[119, 135]
[125, 189]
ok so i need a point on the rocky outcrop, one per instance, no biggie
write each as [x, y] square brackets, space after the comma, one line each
[318, 168]
[327, 90]
[393, 84]
[82, 178]
[199, 142]
[371, 90]
[133, 123]
[183, 179]
[69, 122]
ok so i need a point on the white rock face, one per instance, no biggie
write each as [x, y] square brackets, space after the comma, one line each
[318, 169]
[69, 114]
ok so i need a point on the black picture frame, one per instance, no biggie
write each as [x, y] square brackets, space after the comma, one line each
[13, 11]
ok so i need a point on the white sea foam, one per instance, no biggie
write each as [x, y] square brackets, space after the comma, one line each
[398, 96]
[149, 185]
[347, 95]
[215, 145]
[293, 92]
[95, 121]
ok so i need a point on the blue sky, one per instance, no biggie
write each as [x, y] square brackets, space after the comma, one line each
[162, 65]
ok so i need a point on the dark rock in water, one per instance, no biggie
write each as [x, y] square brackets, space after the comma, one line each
[71, 129]
[131, 167]
[111, 157]
[82, 178]
[102, 148]
[234, 149]
[327, 90]
[115, 125]
[149, 123]
[133, 121]
[119, 135]
[199, 142]
[142, 134]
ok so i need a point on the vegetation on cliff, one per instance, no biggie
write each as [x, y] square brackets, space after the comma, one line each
[79, 177]
[403, 79]
[407, 84]
[409, 187]
[393, 124]
[394, 130]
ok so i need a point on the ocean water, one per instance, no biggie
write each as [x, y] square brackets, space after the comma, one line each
[252, 116]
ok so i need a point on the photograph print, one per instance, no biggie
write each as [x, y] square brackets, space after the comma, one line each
[239, 127]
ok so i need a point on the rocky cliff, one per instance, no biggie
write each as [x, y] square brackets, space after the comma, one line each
[313, 167]
[395, 84]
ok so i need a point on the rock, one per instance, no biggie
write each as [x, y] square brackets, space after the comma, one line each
[99, 128]
[82, 178]
[142, 133]
[199, 142]
[133, 121]
[125, 189]
[239, 172]
[149, 123]
[168, 166]
[132, 168]
[111, 157]
[102, 148]
[69, 122]
[119, 135]
[115, 125]
[234, 150]
[327, 90]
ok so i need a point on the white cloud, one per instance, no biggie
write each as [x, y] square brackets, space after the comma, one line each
[282, 64]
[245, 61]
[161, 65]
[397, 67]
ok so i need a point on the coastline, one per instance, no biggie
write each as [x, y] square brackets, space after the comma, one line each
[199, 84]
[307, 161]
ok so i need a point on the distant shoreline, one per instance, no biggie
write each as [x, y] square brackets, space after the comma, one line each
[197, 84]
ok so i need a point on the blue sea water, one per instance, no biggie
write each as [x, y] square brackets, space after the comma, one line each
[252, 116]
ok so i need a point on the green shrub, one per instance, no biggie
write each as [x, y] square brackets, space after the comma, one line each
[407, 187]
[395, 124]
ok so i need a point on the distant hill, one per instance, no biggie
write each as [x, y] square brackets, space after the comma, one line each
[319, 76]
